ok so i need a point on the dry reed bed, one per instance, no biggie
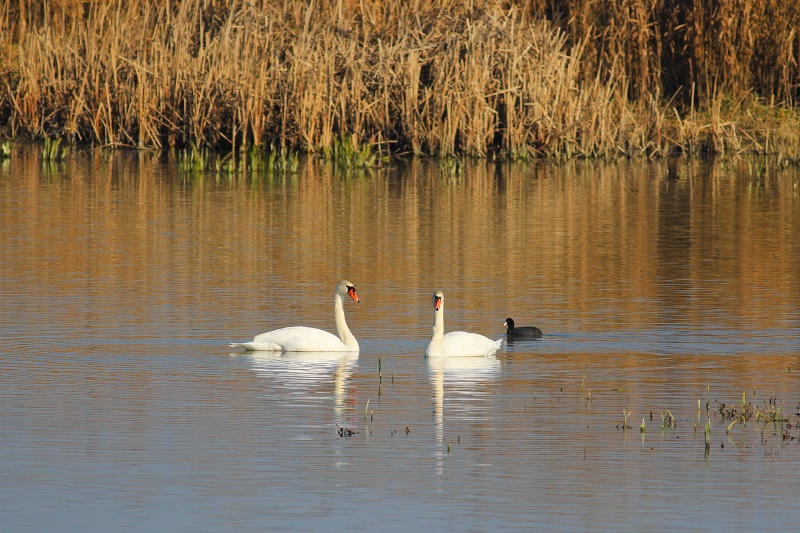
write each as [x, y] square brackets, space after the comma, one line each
[434, 78]
[737, 46]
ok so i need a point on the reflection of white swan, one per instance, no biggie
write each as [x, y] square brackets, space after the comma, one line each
[303, 339]
[459, 373]
[298, 368]
[464, 370]
[301, 371]
[456, 343]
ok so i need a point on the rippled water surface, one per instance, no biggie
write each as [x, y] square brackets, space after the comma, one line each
[661, 288]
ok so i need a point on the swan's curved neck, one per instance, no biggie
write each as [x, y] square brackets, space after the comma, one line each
[437, 341]
[341, 324]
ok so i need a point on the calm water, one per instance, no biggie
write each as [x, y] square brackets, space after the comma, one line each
[657, 286]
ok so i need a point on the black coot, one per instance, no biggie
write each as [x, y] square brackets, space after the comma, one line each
[523, 331]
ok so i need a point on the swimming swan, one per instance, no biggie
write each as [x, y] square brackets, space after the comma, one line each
[456, 343]
[303, 339]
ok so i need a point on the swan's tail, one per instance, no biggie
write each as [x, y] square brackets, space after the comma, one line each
[499, 343]
[256, 346]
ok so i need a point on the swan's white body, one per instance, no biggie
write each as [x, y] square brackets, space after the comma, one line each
[456, 343]
[304, 339]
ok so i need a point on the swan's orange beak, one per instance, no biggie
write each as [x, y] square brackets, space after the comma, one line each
[352, 292]
[437, 302]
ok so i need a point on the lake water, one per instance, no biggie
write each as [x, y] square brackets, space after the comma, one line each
[660, 288]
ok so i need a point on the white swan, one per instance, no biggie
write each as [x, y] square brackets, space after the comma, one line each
[303, 339]
[456, 343]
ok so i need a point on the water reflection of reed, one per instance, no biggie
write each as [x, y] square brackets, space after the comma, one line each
[588, 248]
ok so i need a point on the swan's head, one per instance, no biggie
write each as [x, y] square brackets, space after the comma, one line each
[345, 287]
[438, 300]
[509, 322]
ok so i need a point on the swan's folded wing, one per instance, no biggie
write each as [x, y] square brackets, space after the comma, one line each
[466, 344]
[300, 339]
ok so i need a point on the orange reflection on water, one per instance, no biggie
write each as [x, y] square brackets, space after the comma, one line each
[578, 247]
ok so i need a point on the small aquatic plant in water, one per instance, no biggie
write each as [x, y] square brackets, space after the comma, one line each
[624, 425]
[667, 420]
[53, 152]
[769, 418]
[736, 414]
[772, 412]
[345, 432]
[451, 166]
[193, 160]
[253, 162]
[588, 396]
[345, 153]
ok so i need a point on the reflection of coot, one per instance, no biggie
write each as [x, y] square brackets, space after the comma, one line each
[523, 331]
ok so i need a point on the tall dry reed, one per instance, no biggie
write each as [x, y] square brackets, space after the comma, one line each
[441, 77]
[671, 46]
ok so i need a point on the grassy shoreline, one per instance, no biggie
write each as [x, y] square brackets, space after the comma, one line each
[439, 78]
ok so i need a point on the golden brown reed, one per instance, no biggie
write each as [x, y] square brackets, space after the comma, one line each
[734, 45]
[442, 77]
